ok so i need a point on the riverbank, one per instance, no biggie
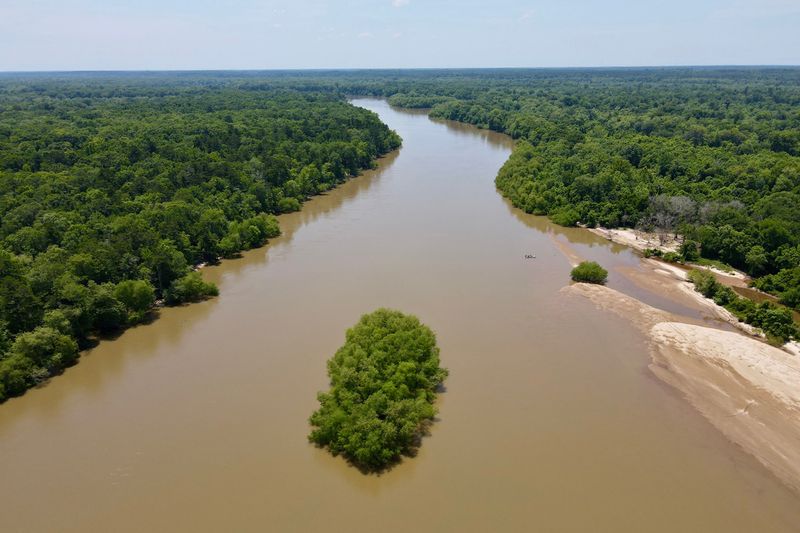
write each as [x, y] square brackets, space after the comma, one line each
[746, 388]
[638, 240]
[642, 240]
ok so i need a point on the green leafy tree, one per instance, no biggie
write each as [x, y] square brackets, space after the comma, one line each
[756, 260]
[108, 314]
[166, 262]
[17, 373]
[20, 308]
[690, 251]
[775, 321]
[46, 347]
[791, 297]
[137, 296]
[57, 320]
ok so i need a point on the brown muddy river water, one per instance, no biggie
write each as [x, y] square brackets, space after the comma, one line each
[551, 420]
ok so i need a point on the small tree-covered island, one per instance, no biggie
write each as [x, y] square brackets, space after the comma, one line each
[589, 272]
[383, 386]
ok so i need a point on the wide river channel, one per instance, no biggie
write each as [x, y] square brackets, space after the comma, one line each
[551, 419]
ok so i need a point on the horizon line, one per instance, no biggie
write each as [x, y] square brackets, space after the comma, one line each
[378, 69]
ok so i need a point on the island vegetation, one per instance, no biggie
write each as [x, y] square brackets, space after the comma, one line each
[589, 272]
[383, 385]
[113, 187]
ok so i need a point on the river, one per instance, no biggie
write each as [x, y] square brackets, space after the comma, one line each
[551, 419]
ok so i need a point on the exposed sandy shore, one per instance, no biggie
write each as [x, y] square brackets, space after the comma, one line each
[749, 390]
[746, 388]
[638, 240]
[641, 241]
[793, 348]
[733, 277]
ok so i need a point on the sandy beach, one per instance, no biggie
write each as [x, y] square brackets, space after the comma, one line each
[638, 240]
[746, 388]
[641, 241]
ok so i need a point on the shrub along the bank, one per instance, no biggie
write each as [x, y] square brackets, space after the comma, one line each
[776, 322]
[33, 357]
[383, 385]
[190, 288]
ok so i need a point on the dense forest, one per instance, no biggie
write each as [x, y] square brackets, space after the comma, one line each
[113, 188]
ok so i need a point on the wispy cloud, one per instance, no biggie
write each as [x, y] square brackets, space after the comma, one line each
[527, 14]
[400, 3]
[365, 35]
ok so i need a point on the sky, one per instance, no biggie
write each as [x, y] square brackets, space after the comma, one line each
[282, 34]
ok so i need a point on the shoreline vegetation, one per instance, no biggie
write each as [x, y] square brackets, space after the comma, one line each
[115, 190]
[766, 318]
[384, 381]
[745, 382]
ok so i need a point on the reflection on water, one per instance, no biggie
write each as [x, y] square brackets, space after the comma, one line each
[313, 209]
[551, 420]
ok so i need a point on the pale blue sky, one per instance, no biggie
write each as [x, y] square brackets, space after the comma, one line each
[269, 34]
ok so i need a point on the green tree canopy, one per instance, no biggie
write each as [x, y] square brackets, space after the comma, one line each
[383, 384]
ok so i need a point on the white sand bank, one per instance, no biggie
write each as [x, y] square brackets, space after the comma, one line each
[638, 240]
[749, 390]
